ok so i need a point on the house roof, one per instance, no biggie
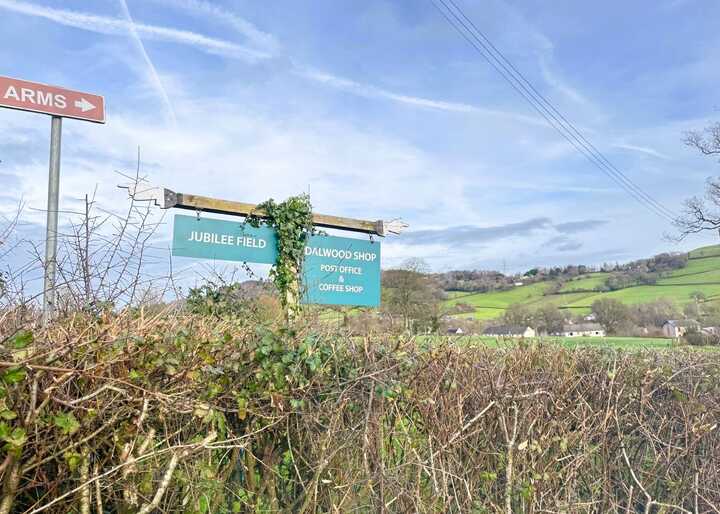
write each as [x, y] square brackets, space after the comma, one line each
[509, 330]
[682, 322]
[582, 327]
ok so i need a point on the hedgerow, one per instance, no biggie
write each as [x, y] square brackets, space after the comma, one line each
[178, 413]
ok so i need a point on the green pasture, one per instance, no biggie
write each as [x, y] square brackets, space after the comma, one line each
[585, 282]
[705, 251]
[501, 299]
[619, 343]
[681, 295]
[701, 274]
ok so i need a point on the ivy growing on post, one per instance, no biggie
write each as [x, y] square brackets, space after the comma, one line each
[292, 221]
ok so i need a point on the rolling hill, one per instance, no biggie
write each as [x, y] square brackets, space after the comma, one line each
[702, 274]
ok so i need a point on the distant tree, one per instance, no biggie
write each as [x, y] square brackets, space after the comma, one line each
[549, 319]
[698, 296]
[655, 314]
[702, 214]
[711, 314]
[554, 288]
[692, 310]
[519, 315]
[611, 314]
[412, 294]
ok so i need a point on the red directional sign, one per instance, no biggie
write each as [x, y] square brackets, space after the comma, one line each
[56, 101]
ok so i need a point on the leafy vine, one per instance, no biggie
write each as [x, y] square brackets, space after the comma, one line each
[292, 221]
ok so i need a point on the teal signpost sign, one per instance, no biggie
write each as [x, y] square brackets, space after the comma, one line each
[336, 270]
[341, 271]
[222, 240]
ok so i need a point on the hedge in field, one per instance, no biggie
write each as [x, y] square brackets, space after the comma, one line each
[182, 414]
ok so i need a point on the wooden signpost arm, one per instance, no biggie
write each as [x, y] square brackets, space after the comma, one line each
[205, 204]
[166, 199]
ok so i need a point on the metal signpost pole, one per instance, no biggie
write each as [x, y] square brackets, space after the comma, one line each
[59, 103]
[52, 219]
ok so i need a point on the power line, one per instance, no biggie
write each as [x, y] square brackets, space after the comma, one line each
[573, 130]
[467, 30]
[553, 118]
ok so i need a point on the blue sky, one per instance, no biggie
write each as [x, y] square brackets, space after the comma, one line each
[380, 110]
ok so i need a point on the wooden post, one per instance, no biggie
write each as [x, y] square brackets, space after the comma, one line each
[166, 199]
[292, 298]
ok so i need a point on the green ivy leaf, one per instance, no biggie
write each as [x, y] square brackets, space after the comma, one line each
[73, 460]
[67, 423]
[8, 414]
[14, 375]
[16, 439]
[21, 340]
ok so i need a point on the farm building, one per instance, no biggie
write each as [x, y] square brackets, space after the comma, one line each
[509, 331]
[677, 328]
[582, 330]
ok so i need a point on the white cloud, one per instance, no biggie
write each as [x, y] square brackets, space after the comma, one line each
[256, 36]
[369, 91]
[249, 158]
[116, 26]
[642, 149]
[563, 87]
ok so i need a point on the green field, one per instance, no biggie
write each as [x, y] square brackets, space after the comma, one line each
[705, 251]
[618, 343]
[702, 274]
[585, 283]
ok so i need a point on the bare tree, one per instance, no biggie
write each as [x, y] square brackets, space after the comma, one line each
[104, 259]
[706, 141]
[413, 295]
[702, 213]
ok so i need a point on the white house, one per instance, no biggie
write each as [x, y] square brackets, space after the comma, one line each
[509, 331]
[582, 330]
[710, 331]
[677, 328]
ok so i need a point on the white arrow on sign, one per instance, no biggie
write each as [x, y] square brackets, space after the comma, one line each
[84, 105]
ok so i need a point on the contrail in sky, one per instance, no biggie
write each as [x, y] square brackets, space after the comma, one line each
[117, 26]
[241, 25]
[152, 71]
